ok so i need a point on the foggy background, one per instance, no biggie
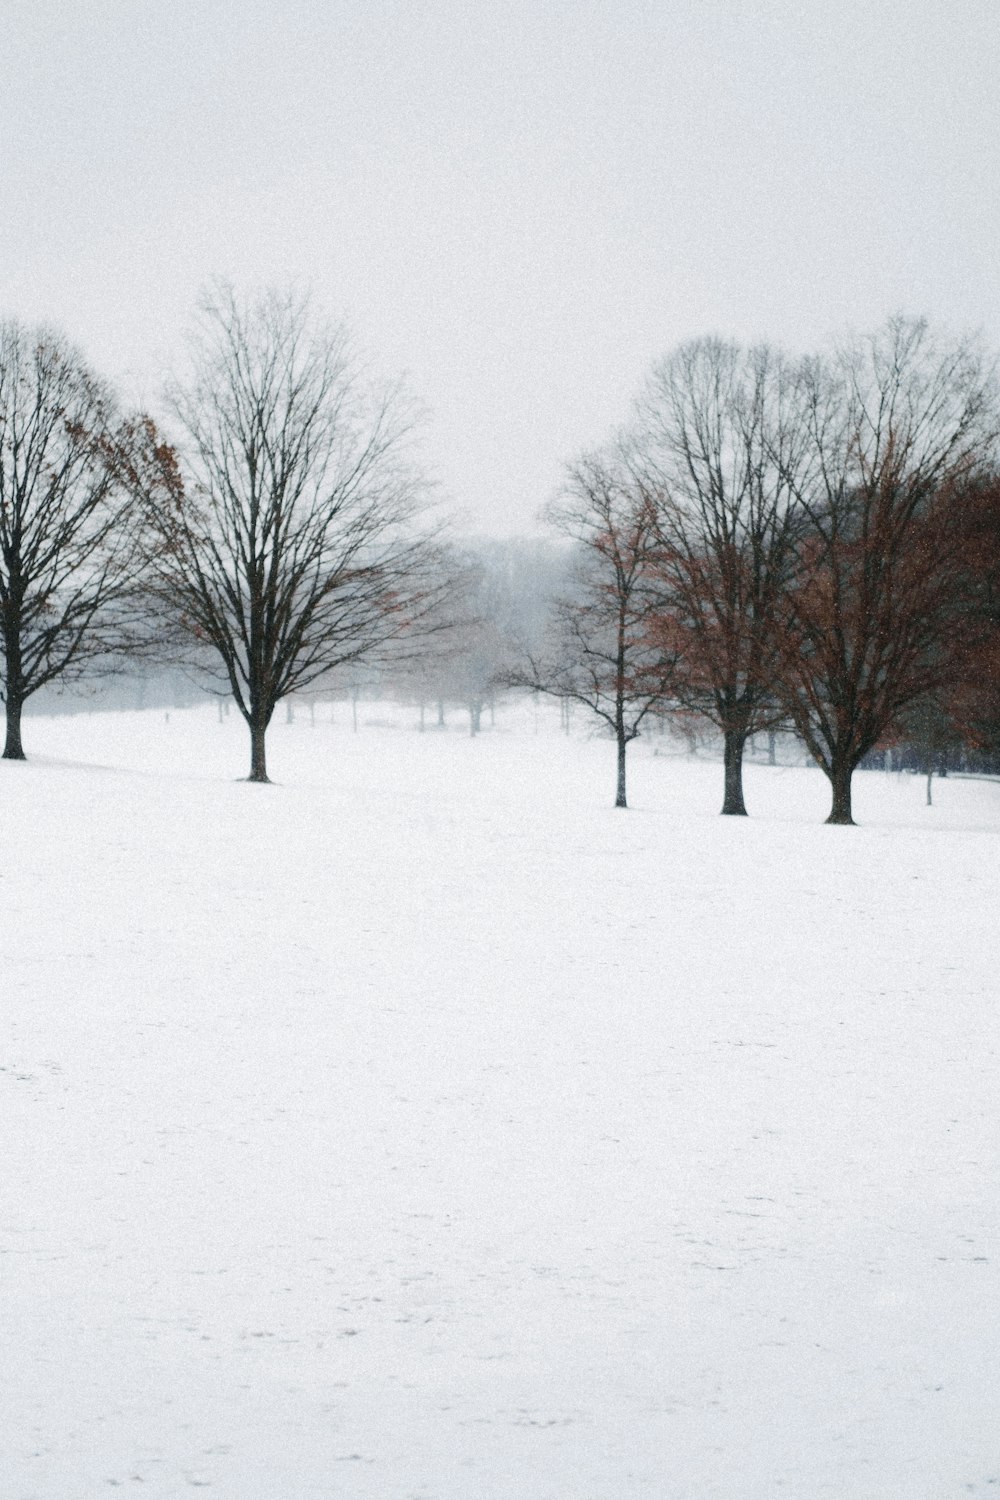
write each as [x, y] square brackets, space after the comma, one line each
[519, 204]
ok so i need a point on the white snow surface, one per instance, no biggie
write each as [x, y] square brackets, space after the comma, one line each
[421, 1128]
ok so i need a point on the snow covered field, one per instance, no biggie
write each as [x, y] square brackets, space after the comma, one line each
[420, 1128]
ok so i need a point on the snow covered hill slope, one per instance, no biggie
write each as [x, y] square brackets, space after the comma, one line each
[420, 1128]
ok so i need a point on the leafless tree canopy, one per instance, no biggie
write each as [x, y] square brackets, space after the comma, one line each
[899, 425]
[296, 547]
[69, 554]
[715, 435]
[607, 651]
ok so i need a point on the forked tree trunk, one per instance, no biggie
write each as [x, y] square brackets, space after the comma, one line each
[840, 783]
[732, 802]
[258, 758]
[620, 793]
[13, 749]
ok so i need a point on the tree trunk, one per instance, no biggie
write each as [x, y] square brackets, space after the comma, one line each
[441, 723]
[772, 758]
[475, 716]
[620, 794]
[930, 778]
[13, 749]
[840, 782]
[732, 802]
[258, 759]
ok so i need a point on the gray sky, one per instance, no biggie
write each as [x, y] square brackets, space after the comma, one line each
[522, 203]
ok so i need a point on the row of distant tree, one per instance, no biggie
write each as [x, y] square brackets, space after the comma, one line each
[770, 544]
[811, 543]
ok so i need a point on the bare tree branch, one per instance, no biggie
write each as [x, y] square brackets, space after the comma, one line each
[900, 425]
[605, 651]
[715, 433]
[295, 547]
[71, 598]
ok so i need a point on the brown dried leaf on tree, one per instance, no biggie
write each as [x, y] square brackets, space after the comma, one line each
[717, 433]
[899, 427]
[71, 559]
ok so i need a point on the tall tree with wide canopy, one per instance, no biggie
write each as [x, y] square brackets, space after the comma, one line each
[900, 426]
[70, 559]
[715, 438]
[289, 520]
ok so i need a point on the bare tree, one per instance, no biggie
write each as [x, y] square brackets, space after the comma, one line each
[605, 650]
[716, 437]
[70, 596]
[289, 537]
[899, 425]
[971, 700]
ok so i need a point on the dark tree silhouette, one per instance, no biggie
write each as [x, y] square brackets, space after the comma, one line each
[716, 436]
[289, 530]
[899, 425]
[70, 559]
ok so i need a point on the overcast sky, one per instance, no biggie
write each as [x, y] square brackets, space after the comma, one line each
[522, 203]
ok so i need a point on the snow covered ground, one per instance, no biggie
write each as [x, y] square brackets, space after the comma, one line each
[420, 1128]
